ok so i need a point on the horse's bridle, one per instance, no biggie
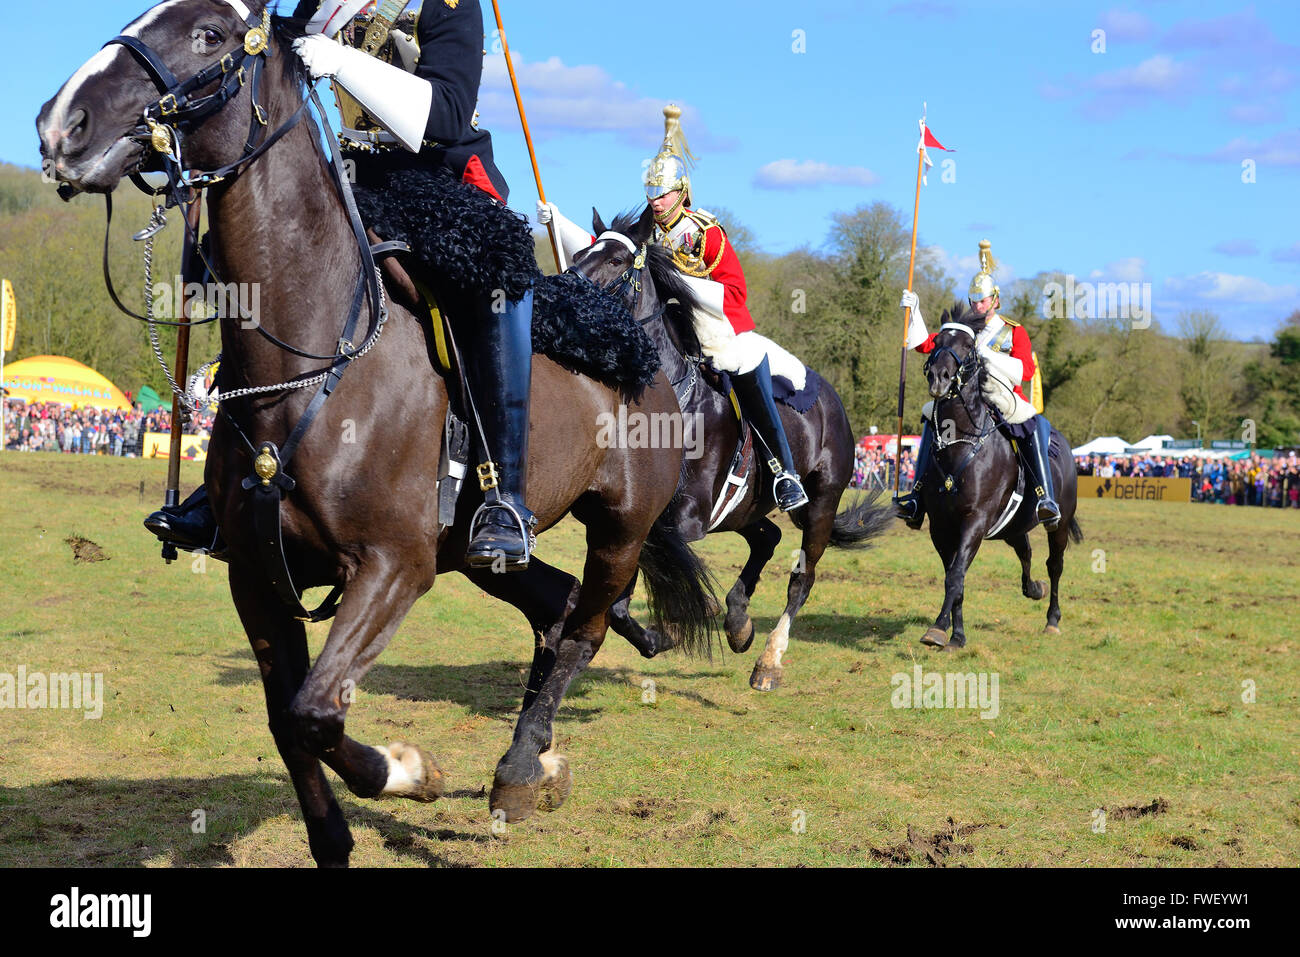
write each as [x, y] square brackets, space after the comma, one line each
[631, 282]
[969, 368]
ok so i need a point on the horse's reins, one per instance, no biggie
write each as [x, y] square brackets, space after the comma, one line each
[161, 127]
[968, 369]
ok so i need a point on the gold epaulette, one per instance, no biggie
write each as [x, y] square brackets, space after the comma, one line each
[1008, 321]
[703, 218]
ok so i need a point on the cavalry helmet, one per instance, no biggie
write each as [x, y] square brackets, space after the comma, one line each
[670, 168]
[982, 285]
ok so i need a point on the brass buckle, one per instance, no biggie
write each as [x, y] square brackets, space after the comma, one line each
[774, 464]
[345, 346]
[162, 105]
[259, 113]
[487, 476]
[228, 63]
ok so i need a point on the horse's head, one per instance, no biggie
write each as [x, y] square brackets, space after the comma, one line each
[611, 262]
[172, 69]
[954, 361]
[614, 255]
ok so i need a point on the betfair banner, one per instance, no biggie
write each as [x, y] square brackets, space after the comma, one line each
[157, 445]
[1136, 488]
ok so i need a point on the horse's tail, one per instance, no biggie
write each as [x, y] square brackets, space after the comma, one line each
[862, 521]
[679, 589]
[1076, 533]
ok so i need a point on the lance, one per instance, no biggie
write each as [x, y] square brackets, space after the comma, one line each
[171, 497]
[907, 313]
[532, 154]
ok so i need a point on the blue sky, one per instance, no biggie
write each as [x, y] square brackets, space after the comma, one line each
[1117, 165]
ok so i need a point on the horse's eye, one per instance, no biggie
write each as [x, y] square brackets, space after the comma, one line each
[208, 37]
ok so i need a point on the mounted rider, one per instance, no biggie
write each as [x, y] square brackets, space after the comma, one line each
[1009, 359]
[424, 171]
[722, 322]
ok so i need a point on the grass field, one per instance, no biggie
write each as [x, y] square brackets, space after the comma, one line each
[1136, 708]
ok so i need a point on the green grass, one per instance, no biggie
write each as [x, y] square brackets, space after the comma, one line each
[1139, 699]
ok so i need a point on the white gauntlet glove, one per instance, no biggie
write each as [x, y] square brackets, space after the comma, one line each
[544, 212]
[399, 101]
[916, 331]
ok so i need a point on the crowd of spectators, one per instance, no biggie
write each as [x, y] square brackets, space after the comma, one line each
[1267, 482]
[52, 427]
[873, 468]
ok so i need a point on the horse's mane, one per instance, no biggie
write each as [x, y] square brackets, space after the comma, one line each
[669, 283]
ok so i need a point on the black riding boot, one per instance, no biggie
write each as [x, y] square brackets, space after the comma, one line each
[189, 525]
[499, 367]
[909, 504]
[1049, 513]
[754, 389]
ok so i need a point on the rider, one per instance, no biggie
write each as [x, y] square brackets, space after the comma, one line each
[722, 321]
[448, 160]
[1009, 360]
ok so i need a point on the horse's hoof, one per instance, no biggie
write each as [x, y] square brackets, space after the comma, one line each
[953, 646]
[412, 773]
[765, 679]
[1036, 591]
[1051, 630]
[557, 783]
[742, 638]
[657, 642]
[935, 638]
[516, 802]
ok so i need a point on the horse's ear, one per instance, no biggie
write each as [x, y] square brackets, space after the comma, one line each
[645, 225]
[597, 224]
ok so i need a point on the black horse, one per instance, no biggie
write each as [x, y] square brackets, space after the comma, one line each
[821, 440]
[362, 515]
[977, 476]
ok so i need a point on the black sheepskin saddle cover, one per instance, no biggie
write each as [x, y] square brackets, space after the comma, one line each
[468, 242]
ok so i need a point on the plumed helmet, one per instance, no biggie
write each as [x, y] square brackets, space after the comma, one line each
[982, 285]
[670, 169]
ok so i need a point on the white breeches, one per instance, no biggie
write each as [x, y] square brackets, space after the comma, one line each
[742, 352]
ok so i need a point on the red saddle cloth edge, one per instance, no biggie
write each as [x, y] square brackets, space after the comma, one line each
[476, 175]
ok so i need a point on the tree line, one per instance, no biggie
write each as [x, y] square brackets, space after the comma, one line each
[835, 306]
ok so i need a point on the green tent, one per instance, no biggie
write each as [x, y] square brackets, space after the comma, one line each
[148, 399]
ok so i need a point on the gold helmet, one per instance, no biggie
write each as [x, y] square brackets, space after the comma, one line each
[670, 169]
[983, 286]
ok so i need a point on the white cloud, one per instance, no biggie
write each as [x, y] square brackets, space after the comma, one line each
[963, 268]
[1125, 25]
[1237, 247]
[799, 174]
[1280, 150]
[1160, 74]
[562, 98]
[1131, 269]
[1290, 254]
[1221, 286]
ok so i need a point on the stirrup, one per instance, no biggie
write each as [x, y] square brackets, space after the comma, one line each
[527, 535]
[789, 506]
[909, 507]
[1053, 519]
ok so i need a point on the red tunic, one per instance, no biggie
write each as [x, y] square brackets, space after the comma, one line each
[732, 277]
[1020, 349]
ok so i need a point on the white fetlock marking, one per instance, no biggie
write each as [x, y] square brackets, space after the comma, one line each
[552, 764]
[779, 640]
[405, 770]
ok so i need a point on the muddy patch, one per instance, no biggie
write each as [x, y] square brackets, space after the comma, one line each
[934, 850]
[84, 550]
[1158, 806]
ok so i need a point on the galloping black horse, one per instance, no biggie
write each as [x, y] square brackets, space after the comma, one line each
[972, 451]
[363, 514]
[821, 440]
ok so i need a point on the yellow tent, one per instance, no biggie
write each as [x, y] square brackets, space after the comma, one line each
[63, 380]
